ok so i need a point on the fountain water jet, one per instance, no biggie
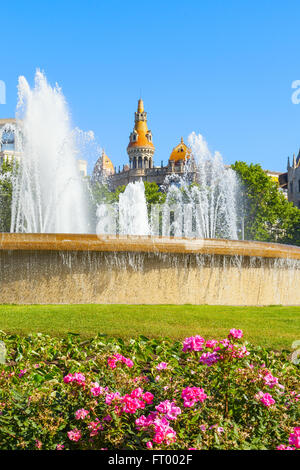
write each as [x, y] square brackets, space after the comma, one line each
[48, 196]
[127, 217]
[215, 194]
[205, 209]
[133, 217]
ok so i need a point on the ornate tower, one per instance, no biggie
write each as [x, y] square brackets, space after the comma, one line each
[180, 153]
[140, 148]
[103, 168]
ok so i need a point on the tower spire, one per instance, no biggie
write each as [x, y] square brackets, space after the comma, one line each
[294, 161]
[140, 148]
[140, 108]
[298, 158]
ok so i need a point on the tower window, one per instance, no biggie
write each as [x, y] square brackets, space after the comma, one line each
[7, 141]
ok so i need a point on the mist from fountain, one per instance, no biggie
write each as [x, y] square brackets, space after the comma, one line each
[49, 197]
[208, 208]
[133, 216]
[48, 194]
[201, 203]
[127, 217]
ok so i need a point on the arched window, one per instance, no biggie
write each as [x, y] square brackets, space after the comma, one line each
[7, 140]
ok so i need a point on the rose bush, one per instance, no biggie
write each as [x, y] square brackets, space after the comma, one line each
[103, 393]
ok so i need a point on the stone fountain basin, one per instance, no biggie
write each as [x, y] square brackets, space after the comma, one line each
[84, 268]
[144, 244]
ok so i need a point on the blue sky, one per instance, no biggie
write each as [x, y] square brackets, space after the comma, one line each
[220, 68]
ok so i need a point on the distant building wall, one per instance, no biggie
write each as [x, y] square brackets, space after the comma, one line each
[294, 185]
[82, 167]
[8, 150]
[151, 175]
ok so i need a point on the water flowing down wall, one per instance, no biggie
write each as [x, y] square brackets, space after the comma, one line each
[58, 269]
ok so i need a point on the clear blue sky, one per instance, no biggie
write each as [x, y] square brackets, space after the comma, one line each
[220, 68]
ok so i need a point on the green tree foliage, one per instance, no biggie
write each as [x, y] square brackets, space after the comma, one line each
[102, 194]
[153, 194]
[99, 193]
[6, 172]
[268, 216]
[117, 192]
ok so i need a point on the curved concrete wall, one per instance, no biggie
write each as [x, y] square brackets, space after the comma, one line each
[58, 268]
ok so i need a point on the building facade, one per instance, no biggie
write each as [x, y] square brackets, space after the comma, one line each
[293, 180]
[141, 158]
[7, 140]
[8, 147]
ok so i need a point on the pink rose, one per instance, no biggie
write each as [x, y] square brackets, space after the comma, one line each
[74, 435]
[81, 414]
[161, 366]
[235, 333]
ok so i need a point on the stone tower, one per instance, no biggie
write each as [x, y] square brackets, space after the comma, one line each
[140, 148]
[293, 179]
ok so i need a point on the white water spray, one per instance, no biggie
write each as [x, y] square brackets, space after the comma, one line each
[48, 195]
[206, 209]
[215, 193]
[133, 217]
[127, 217]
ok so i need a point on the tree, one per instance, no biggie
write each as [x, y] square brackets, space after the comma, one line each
[117, 192]
[6, 175]
[102, 194]
[153, 194]
[268, 216]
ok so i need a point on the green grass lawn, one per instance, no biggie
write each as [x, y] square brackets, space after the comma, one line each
[274, 326]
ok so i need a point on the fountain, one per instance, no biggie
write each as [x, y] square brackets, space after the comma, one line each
[203, 210]
[187, 251]
[206, 209]
[47, 194]
[128, 217]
